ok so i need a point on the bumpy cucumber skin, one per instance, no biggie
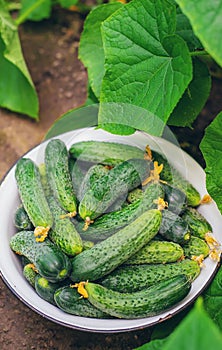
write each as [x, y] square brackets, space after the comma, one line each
[68, 300]
[144, 303]
[175, 198]
[196, 247]
[21, 219]
[173, 177]
[32, 194]
[127, 279]
[63, 232]
[46, 289]
[109, 223]
[117, 183]
[157, 252]
[174, 228]
[134, 195]
[29, 274]
[94, 173]
[58, 175]
[108, 153]
[197, 223]
[105, 256]
[48, 259]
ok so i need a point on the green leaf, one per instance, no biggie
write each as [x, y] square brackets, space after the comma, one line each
[211, 147]
[81, 117]
[194, 98]
[67, 3]
[91, 51]
[185, 30]
[213, 299]
[147, 65]
[17, 91]
[205, 18]
[35, 10]
[196, 331]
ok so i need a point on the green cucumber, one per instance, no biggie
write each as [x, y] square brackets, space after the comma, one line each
[63, 232]
[68, 299]
[105, 256]
[174, 228]
[127, 279]
[46, 289]
[175, 198]
[156, 252]
[116, 183]
[21, 219]
[108, 153]
[30, 273]
[47, 258]
[197, 223]
[32, 193]
[58, 175]
[135, 194]
[77, 173]
[196, 247]
[176, 179]
[109, 223]
[94, 173]
[147, 302]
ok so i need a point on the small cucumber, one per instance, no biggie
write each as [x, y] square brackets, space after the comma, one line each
[196, 247]
[21, 219]
[147, 302]
[135, 194]
[109, 223]
[30, 273]
[46, 289]
[105, 256]
[58, 175]
[175, 198]
[32, 194]
[116, 183]
[174, 228]
[94, 173]
[63, 232]
[173, 177]
[156, 252]
[68, 300]
[77, 173]
[129, 279]
[47, 258]
[108, 153]
[197, 223]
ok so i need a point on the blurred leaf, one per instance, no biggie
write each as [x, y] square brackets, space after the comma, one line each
[91, 50]
[211, 148]
[17, 91]
[194, 97]
[35, 10]
[205, 18]
[213, 299]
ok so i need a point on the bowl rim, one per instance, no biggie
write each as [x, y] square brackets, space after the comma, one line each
[126, 325]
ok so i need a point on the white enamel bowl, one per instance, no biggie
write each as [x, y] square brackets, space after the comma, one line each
[10, 267]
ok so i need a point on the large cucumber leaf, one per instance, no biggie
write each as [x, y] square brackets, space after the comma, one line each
[213, 299]
[211, 147]
[205, 18]
[194, 98]
[147, 65]
[91, 50]
[17, 91]
[196, 331]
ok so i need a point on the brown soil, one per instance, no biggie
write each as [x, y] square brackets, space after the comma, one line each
[51, 49]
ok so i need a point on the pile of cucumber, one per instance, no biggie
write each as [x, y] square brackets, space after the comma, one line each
[103, 231]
